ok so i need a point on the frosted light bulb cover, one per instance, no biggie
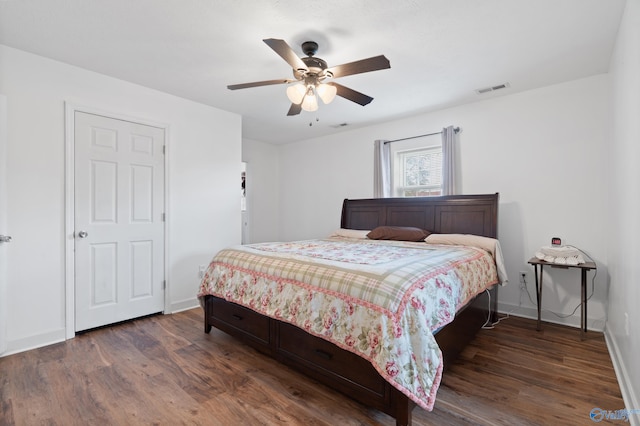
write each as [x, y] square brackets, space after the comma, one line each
[296, 93]
[310, 103]
[326, 92]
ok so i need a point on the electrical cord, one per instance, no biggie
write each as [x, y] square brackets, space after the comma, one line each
[555, 313]
[488, 325]
[488, 311]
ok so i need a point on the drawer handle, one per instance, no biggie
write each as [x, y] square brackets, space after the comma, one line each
[323, 354]
[238, 317]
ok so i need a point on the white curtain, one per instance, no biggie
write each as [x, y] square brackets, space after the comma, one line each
[448, 161]
[381, 170]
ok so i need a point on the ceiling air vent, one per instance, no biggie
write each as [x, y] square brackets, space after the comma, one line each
[492, 88]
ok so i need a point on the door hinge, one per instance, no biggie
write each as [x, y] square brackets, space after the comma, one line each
[163, 217]
[164, 284]
[164, 149]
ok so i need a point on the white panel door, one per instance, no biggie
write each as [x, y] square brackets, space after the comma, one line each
[119, 229]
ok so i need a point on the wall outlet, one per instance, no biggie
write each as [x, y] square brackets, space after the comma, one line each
[523, 277]
[201, 270]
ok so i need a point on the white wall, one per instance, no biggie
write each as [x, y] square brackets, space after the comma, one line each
[263, 171]
[3, 223]
[204, 165]
[542, 150]
[623, 230]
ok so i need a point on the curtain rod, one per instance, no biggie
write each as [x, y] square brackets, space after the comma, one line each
[455, 130]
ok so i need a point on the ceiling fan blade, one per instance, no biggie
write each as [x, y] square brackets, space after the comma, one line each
[295, 109]
[358, 67]
[258, 83]
[352, 95]
[282, 48]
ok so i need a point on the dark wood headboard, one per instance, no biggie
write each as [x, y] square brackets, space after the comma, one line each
[451, 214]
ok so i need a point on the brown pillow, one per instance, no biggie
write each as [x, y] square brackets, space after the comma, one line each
[398, 233]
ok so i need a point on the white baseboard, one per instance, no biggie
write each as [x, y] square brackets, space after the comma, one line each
[57, 336]
[184, 305]
[34, 342]
[531, 312]
[629, 395]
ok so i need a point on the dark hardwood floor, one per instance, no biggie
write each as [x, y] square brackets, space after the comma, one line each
[165, 370]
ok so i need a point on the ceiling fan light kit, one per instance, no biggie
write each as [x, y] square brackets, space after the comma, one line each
[311, 74]
[306, 95]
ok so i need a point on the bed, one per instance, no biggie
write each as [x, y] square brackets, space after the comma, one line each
[258, 296]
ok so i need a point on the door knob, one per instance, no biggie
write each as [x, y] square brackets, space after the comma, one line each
[83, 234]
[5, 239]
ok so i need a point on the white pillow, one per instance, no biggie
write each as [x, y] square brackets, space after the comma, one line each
[350, 233]
[490, 245]
[485, 243]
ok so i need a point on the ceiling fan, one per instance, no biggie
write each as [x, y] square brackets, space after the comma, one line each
[312, 77]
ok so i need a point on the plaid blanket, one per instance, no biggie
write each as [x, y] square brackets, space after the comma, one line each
[379, 299]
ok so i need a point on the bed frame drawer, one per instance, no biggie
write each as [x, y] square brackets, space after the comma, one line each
[253, 326]
[328, 360]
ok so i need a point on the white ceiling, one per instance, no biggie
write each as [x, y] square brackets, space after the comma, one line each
[440, 51]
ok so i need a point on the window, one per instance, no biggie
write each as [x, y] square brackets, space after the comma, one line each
[418, 172]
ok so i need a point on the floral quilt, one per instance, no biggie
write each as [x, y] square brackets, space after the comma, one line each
[381, 300]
